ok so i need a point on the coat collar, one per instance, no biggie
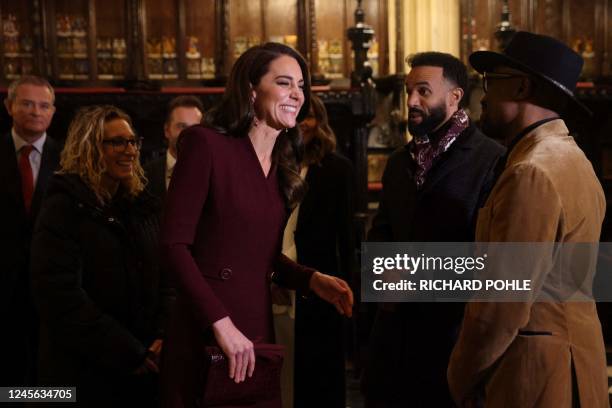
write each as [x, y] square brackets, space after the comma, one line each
[72, 185]
[553, 128]
[18, 142]
[8, 164]
[451, 159]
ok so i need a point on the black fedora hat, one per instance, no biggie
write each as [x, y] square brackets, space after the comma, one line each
[538, 55]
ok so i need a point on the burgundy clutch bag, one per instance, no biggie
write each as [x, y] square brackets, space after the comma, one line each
[264, 385]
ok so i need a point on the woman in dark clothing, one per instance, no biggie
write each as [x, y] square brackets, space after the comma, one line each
[226, 209]
[324, 240]
[319, 234]
[96, 280]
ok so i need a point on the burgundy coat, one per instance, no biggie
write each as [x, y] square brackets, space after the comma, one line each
[222, 236]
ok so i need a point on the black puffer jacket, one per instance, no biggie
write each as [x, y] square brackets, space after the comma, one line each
[99, 291]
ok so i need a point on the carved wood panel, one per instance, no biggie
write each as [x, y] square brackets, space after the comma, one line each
[584, 26]
[177, 41]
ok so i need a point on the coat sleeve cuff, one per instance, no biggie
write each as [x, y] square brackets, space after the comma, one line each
[291, 275]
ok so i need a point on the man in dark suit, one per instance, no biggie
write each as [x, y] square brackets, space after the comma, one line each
[183, 111]
[28, 157]
[432, 190]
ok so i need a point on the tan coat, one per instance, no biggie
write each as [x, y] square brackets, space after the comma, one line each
[548, 192]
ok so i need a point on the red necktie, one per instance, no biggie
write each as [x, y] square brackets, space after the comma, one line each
[27, 178]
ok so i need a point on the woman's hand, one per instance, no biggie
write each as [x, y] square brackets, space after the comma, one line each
[147, 366]
[151, 361]
[155, 350]
[333, 290]
[238, 349]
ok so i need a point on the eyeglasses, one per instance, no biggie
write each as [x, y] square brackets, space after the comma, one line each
[495, 75]
[120, 144]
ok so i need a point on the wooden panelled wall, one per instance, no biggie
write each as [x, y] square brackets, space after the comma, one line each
[218, 27]
[576, 22]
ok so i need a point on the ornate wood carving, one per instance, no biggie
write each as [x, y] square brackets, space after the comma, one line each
[181, 36]
[222, 38]
[302, 30]
[263, 6]
[493, 17]
[566, 21]
[383, 38]
[91, 39]
[360, 36]
[399, 36]
[312, 39]
[38, 30]
[552, 19]
[137, 32]
[606, 64]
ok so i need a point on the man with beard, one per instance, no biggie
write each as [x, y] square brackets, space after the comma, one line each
[432, 190]
[547, 350]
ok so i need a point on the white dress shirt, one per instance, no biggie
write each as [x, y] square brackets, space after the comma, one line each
[170, 162]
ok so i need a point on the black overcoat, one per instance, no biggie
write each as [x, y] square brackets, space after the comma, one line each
[99, 291]
[324, 241]
[410, 343]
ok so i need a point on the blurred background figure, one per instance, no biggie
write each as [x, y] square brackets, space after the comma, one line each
[183, 111]
[28, 158]
[95, 274]
[319, 234]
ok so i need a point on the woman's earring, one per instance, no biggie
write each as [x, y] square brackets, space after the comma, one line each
[255, 120]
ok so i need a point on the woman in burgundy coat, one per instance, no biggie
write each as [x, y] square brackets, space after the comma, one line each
[235, 179]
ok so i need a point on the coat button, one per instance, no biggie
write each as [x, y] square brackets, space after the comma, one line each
[225, 273]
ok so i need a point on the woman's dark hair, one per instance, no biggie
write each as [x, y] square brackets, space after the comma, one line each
[235, 113]
[323, 140]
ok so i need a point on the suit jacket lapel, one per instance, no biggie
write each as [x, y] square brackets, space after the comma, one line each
[449, 160]
[10, 170]
[48, 164]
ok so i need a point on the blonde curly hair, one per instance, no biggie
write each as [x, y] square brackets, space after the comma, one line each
[83, 153]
